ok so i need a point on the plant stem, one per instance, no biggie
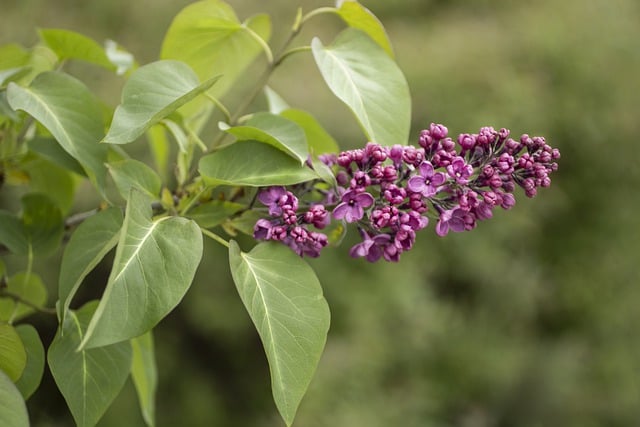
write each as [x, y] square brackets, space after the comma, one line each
[215, 237]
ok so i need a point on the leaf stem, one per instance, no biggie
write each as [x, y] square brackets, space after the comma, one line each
[220, 106]
[17, 298]
[316, 12]
[215, 237]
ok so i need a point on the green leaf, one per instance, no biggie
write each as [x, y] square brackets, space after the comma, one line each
[178, 134]
[274, 130]
[51, 150]
[88, 379]
[154, 265]
[13, 56]
[145, 375]
[253, 164]
[285, 302]
[48, 178]
[28, 287]
[318, 139]
[275, 101]
[214, 212]
[208, 36]
[12, 234]
[152, 93]
[243, 223]
[13, 357]
[13, 410]
[72, 114]
[357, 16]
[88, 245]
[42, 223]
[369, 82]
[71, 45]
[132, 173]
[33, 370]
[159, 145]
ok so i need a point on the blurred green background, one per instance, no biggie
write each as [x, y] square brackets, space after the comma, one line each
[532, 319]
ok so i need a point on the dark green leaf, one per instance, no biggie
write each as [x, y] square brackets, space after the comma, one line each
[154, 265]
[12, 234]
[274, 130]
[42, 223]
[214, 212]
[51, 150]
[254, 164]
[88, 245]
[368, 81]
[48, 178]
[72, 114]
[88, 379]
[285, 302]
[13, 410]
[32, 374]
[151, 94]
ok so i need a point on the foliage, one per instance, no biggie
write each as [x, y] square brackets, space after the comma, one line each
[187, 196]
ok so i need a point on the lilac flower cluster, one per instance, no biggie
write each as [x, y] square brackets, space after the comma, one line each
[289, 226]
[389, 191]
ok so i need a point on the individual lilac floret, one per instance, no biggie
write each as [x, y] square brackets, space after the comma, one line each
[427, 182]
[460, 171]
[352, 206]
[372, 248]
[456, 220]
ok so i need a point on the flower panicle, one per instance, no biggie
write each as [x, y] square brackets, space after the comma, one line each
[390, 192]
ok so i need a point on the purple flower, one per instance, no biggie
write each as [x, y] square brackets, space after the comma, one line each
[452, 219]
[270, 197]
[352, 206]
[262, 230]
[372, 248]
[460, 170]
[427, 182]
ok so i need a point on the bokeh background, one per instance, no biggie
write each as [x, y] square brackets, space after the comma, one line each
[532, 319]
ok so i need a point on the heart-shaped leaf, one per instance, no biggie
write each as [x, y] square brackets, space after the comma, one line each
[154, 265]
[318, 139]
[369, 82]
[285, 302]
[68, 109]
[13, 410]
[151, 94]
[274, 130]
[88, 379]
[34, 368]
[208, 36]
[88, 245]
[253, 164]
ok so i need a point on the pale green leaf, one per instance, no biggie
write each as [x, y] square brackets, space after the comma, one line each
[253, 164]
[72, 114]
[13, 357]
[159, 147]
[275, 101]
[88, 245]
[152, 93]
[214, 212]
[318, 139]
[29, 288]
[369, 82]
[208, 36]
[13, 410]
[274, 130]
[13, 56]
[132, 173]
[284, 299]
[32, 374]
[154, 265]
[178, 134]
[88, 379]
[145, 375]
[71, 45]
[357, 16]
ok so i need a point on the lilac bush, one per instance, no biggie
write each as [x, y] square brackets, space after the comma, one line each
[390, 193]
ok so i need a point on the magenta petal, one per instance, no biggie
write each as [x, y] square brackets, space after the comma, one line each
[363, 200]
[426, 169]
[341, 210]
[416, 184]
